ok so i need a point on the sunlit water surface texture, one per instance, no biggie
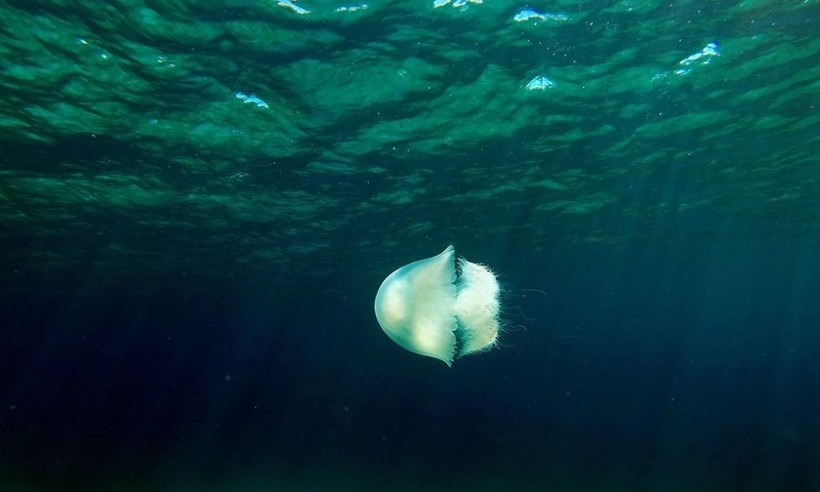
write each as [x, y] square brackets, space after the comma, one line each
[200, 199]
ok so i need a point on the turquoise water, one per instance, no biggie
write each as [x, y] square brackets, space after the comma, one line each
[199, 200]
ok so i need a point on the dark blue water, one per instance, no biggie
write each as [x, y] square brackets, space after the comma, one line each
[642, 366]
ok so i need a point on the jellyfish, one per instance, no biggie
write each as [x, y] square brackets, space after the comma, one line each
[443, 307]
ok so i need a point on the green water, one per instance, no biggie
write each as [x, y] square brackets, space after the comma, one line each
[123, 135]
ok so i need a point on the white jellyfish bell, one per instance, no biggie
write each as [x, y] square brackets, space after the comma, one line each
[443, 307]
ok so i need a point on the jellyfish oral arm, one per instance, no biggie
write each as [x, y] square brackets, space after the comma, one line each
[477, 308]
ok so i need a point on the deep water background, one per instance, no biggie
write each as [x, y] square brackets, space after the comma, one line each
[187, 278]
[650, 367]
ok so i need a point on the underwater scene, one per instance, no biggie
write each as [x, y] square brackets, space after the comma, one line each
[420, 245]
